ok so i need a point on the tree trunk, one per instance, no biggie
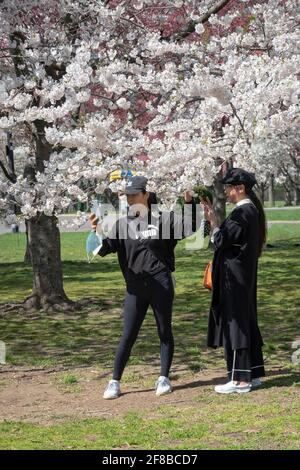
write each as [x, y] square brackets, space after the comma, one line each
[297, 190]
[261, 193]
[297, 196]
[219, 201]
[27, 258]
[43, 245]
[43, 238]
[271, 192]
[219, 196]
[287, 195]
[44, 248]
[28, 173]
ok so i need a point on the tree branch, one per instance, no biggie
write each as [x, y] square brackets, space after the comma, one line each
[11, 177]
[203, 19]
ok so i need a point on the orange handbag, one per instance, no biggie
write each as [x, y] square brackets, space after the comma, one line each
[207, 278]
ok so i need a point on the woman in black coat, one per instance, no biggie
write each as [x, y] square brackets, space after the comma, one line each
[238, 243]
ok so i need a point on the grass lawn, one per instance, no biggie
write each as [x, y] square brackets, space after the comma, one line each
[290, 213]
[212, 423]
[283, 214]
[268, 418]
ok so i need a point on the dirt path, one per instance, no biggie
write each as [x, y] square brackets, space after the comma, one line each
[49, 395]
[40, 396]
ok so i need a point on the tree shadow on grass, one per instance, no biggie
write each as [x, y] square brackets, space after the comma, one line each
[91, 335]
[288, 379]
[281, 379]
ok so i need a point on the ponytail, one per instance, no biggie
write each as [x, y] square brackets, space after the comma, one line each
[152, 199]
[261, 218]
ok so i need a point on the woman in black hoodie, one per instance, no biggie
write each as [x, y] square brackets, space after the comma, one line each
[144, 242]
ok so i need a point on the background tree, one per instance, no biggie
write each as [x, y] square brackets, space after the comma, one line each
[177, 90]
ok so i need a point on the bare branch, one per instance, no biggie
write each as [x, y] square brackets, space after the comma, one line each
[11, 177]
[203, 19]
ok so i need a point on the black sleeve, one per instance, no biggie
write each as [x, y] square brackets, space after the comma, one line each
[205, 228]
[110, 243]
[231, 232]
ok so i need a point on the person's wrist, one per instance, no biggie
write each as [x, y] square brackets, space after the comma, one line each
[188, 196]
[213, 224]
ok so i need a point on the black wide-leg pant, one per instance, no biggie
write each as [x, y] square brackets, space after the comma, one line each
[244, 364]
[156, 291]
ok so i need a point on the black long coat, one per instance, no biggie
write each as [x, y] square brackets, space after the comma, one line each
[233, 311]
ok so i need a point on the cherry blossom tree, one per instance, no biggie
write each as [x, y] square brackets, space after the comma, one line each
[176, 90]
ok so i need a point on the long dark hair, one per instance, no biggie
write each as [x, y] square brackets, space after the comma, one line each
[152, 199]
[261, 218]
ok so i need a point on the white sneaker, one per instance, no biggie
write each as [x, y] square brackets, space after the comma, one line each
[256, 383]
[230, 387]
[163, 386]
[112, 390]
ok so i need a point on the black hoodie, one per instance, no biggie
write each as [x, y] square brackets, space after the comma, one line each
[145, 245]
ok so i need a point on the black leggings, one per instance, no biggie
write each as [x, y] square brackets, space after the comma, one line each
[158, 292]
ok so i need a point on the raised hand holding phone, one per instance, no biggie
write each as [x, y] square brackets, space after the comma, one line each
[94, 239]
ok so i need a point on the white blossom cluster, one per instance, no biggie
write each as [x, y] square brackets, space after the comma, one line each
[113, 92]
